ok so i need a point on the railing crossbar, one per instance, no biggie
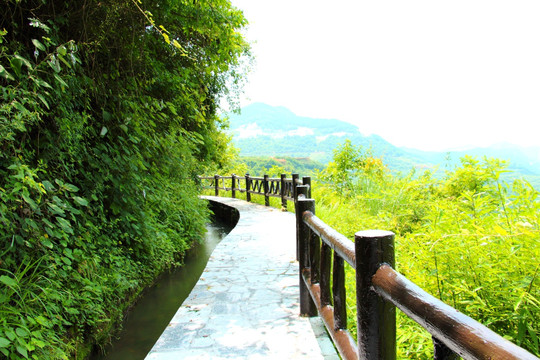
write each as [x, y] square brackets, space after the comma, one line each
[338, 242]
[266, 186]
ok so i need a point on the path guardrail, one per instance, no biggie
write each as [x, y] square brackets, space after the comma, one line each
[281, 187]
[322, 253]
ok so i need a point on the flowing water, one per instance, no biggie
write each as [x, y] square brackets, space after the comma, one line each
[152, 313]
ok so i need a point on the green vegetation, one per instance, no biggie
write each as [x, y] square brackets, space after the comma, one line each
[272, 166]
[467, 237]
[106, 117]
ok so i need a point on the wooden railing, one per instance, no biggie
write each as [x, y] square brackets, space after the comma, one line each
[281, 187]
[322, 253]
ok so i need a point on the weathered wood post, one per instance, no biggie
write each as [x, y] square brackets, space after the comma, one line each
[325, 266]
[283, 192]
[294, 184]
[216, 185]
[306, 180]
[338, 292]
[266, 191]
[248, 186]
[303, 233]
[233, 185]
[376, 318]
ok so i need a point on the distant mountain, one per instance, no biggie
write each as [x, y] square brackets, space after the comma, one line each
[264, 130]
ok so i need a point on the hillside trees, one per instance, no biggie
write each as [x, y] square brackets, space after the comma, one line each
[105, 119]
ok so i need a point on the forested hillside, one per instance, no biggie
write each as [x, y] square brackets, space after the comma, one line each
[108, 110]
[264, 130]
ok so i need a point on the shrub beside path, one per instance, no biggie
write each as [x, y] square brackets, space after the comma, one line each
[246, 303]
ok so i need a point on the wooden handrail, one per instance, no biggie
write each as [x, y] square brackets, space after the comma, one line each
[282, 187]
[379, 289]
[463, 335]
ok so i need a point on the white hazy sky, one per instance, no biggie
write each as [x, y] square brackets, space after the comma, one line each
[427, 74]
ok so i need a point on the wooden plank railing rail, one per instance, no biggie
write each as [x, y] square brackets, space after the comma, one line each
[322, 253]
[282, 187]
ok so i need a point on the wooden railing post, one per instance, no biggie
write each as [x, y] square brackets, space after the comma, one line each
[216, 185]
[266, 191]
[283, 191]
[294, 192]
[338, 292]
[248, 185]
[233, 185]
[307, 306]
[301, 191]
[376, 318]
[306, 180]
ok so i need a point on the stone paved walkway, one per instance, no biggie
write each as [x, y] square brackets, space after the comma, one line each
[245, 305]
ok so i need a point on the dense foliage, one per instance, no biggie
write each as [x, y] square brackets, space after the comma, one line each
[467, 237]
[105, 119]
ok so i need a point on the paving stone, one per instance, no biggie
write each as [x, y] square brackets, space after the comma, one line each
[245, 305]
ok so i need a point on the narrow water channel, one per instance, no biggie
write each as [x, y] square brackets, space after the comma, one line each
[152, 313]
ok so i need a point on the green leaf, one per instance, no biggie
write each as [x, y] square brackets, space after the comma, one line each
[22, 351]
[11, 335]
[6, 280]
[40, 82]
[71, 187]
[104, 131]
[65, 225]
[24, 61]
[57, 210]
[62, 59]
[5, 74]
[47, 243]
[81, 201]
[60, 81]
[29, 201]
[31, 223]
[43, 321]
[62, 50]
[43, 101]
[39, 343]
[48, 223]
[47, 185]
[16, 65]
[21, 332]
[38, 45]
[4, 342]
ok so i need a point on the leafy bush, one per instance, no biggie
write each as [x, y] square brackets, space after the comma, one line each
[106, 117]
[468, 238]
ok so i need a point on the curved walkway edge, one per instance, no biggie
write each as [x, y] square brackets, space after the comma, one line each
[245, 305]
